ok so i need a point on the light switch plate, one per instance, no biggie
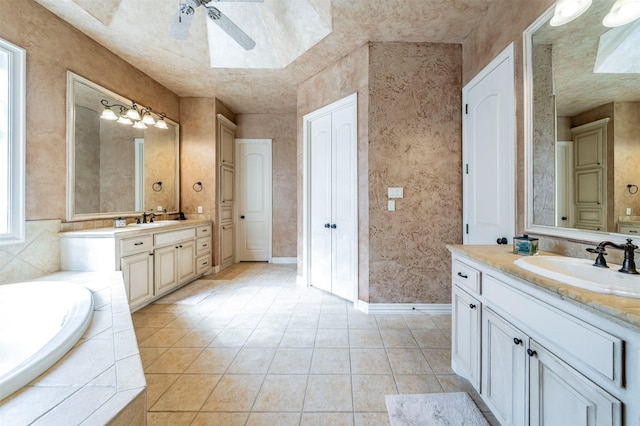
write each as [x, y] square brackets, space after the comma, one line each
[395, 192]
[200, 209]
[391, 205]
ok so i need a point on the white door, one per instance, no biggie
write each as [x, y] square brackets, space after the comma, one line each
[253, 167]
[332, 215]
[489, 154]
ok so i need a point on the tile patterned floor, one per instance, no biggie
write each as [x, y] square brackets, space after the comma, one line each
[250, 347]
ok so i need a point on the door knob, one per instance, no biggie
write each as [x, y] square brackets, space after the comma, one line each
[327, 225]
[242, 217]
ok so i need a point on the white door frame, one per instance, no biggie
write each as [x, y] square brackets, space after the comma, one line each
[238, 196]
[306, 198]
[506, 55]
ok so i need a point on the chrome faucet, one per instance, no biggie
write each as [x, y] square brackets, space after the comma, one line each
[628, 265]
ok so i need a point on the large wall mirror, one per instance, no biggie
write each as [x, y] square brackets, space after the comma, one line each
[114, 169]
[582, 122]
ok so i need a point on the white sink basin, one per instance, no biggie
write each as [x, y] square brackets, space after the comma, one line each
[154, 224]
[581, 273]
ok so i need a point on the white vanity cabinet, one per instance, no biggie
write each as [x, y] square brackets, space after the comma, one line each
[541, 360]
[153, 261]
[465, 336]
[136, 264]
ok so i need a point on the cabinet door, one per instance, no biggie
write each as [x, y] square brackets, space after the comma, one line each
[186, 261]
[559, 395]
[137, 271]
[227, 247]
[465, 351]
[166, 268]
[503, 369]
[227, 139]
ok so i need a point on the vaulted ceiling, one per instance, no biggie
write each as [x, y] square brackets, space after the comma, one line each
[296, 38]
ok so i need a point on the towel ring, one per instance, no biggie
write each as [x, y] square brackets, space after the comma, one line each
[633, 189]
[197, 186]
[157, 186]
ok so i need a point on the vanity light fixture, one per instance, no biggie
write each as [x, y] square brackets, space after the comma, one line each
[622, 12]
[140, 118]
[568, 10]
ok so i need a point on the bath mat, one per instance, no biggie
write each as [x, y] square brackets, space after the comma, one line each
[434, 409]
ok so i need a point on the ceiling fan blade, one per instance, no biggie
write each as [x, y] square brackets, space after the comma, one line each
[230, 28]
[182, 21]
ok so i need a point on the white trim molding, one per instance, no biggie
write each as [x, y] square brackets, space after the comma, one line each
[283, 260]
[403, 308]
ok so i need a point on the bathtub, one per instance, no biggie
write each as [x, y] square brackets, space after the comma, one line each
[40, 321]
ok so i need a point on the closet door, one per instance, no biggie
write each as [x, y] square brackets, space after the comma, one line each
[333, 200]
[320, 203]
[343, 208]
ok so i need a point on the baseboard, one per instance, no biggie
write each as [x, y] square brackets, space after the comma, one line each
[403, 308]
[284, 260]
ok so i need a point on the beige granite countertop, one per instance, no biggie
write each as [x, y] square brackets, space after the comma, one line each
[132, 229]
[624, 310]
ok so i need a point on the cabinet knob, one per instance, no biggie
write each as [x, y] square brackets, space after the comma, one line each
[334, 226]
[150, 254]
[531, 352]
[517, 341]
[472, 306]
[461, 275]
[139, 243]
[327, 225]
[242, 217]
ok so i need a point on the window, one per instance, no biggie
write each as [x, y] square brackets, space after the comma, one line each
[12, 142]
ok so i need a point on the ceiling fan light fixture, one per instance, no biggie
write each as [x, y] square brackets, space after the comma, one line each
[622, 12]
[568, 10]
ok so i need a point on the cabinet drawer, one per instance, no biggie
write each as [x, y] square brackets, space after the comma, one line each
[203, 263]
[465, 276]
[203, 245]
[174, 236]
[203, 231]
[588, 349]
[136, 245]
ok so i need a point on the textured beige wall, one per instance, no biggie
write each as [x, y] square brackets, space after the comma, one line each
[281, 128]
[53, 47]
[627, 153]
[415, 139]
[347, 76]
[409, 135]
[199, 155]
[544, 136]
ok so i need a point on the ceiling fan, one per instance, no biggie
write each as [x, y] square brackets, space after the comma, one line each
[186, 10]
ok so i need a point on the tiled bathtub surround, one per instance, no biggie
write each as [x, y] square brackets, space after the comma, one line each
[38, 255]
[249, 346]
[100, 380]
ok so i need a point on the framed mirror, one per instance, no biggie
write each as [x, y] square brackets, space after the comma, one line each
[582, 127]
[114, 169]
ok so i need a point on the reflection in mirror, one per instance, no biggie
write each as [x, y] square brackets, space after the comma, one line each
[113, 168]
[583, 99]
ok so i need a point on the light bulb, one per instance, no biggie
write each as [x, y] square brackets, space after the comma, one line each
[568, 10]
[108, 114]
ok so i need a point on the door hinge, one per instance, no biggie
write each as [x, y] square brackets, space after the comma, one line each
[466, 108]
[467, 228]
